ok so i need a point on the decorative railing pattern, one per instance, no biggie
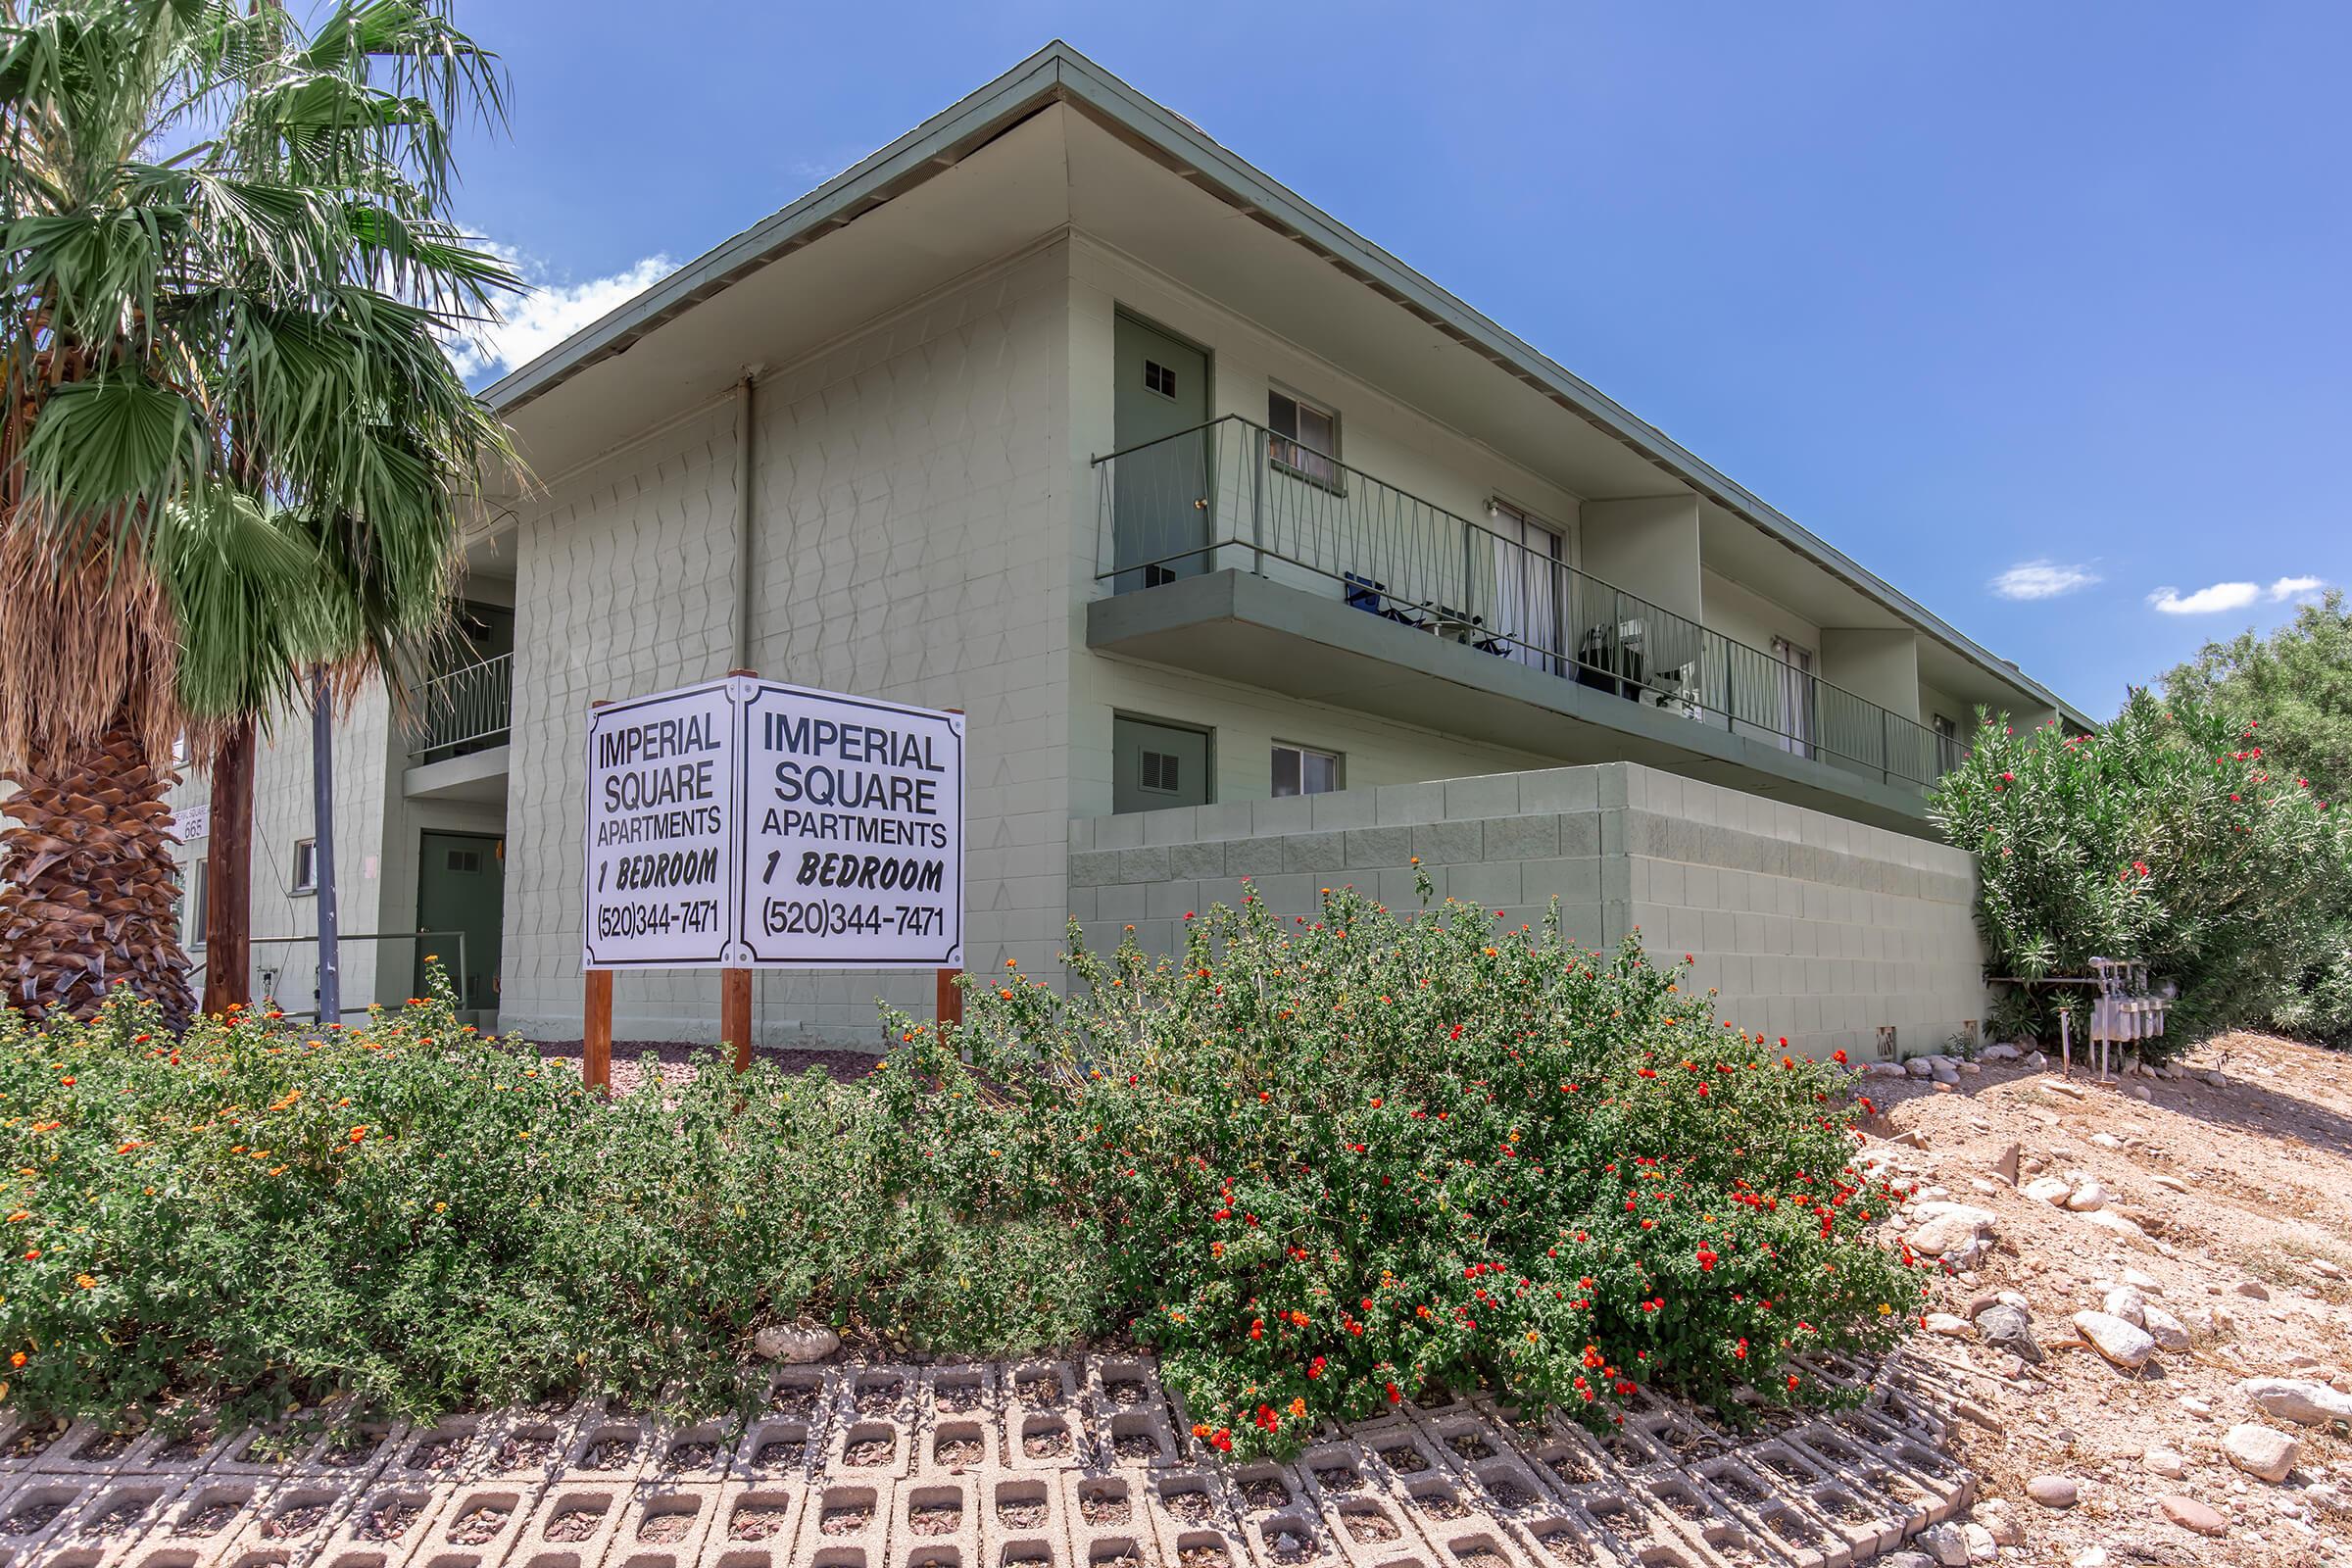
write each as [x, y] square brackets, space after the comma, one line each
[469, 708]
[1230, 493]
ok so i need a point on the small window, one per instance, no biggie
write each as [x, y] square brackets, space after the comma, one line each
[306, 866]
[1159, 773]
[191, 903]
[1306, 438]
[1159, 378]
[1304, 770]
[467, 861]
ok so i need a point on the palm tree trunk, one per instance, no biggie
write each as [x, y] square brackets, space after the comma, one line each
[88, 890]
[229, 875]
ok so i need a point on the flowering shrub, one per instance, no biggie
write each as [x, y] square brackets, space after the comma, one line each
[2169, 837]
[1329, 1162]
[255, 1214]
[1317, 1165]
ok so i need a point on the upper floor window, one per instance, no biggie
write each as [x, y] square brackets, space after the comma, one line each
[306, 866]
[1304, 770]
[1306, 438]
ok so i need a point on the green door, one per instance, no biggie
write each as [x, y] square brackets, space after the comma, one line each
[1161, 490]
[461, 885]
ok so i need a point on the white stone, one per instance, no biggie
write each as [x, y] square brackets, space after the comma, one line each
[1946, 1324]
[2108, 1220]
[2326, 1270]
[2263, 1452]
[2123, 1343]
[2300, 1399]
[2144, 1282]
[2128, 1304]
[2088, 1196]
[794, 1343]
[2165, 1462]
[2050, 1190]
[2168, 1331]
[2053, 1492]
[2170, 1184]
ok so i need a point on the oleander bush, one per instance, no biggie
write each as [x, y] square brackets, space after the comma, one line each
[1317, 1166]
[2171, 836]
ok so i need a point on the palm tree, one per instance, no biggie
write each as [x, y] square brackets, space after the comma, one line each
[232, 446]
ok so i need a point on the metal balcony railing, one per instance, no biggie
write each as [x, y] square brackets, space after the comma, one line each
[468, 710]
[1230, 493]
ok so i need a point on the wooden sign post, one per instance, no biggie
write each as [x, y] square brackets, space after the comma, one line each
[595, 1018]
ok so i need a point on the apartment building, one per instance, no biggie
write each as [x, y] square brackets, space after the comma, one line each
[1227, 530]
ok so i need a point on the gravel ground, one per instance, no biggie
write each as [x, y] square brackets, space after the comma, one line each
[2236, 1181]
[677, 1059]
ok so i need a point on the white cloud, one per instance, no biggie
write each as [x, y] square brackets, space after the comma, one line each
[2297, 589]
[551, 312]
[2206, 600]
[2043, 579]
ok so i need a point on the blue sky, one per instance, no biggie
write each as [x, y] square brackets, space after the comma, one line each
[2040, 311]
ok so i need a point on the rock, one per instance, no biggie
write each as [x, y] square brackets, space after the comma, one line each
[1920, 1067]
[2089, 1557]
[1982, 1548]
[2145, 1284]
[2007, 1529]
[2326, 1270]
[2035, 1061]
[2088, 1197]
[1947, 1542]
[2061, 1088]
[2165, 1462]
[2005, 1166]
[2168, 1331]
[794, 1344]
[2050, 1190]
[2123, 1343]
[2107, 1219]
[2001, 1053]
[2128, 1304]
[2107, 1140]
[2253, 1290]
[2053, 1492]
[1957, 1233]
[1946, 1324]
[2170, 1184]
[1943, 1072]
[2202, 1409]
[2139, 1092]
[2008, 1328]
[2302, 1401]
[2190, 1514]
[2263, 1452]
[1906, 1559]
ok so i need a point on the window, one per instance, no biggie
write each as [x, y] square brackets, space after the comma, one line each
[191, 903]
[306, 866]
[1528, 579]
[1160, 773]
[1306, 438]
[1159, 378]
[1304, 770]
[1947, 744]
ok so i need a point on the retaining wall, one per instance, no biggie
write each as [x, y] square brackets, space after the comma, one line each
[1827, 931]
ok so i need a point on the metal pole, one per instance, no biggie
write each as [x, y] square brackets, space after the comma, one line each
[323, 849]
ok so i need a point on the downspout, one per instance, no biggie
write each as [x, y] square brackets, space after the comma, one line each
[743, 519]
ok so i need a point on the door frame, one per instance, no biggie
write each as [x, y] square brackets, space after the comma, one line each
[1209, 415]
[490, 842]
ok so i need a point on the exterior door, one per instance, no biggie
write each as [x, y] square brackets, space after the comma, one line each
[1156, 767]
[461, 885]
[1161, 499]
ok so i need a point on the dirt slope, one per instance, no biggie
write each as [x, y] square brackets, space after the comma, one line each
[2239, 1174]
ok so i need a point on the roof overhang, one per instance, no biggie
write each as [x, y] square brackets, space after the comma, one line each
[1058, 75]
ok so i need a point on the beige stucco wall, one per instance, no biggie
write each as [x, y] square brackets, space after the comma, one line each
[912, 529]
[1810, 926]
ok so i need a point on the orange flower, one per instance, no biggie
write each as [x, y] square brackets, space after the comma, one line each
[17, 1359]
[1299, 1409]
[86, 1281]
[359, 1135]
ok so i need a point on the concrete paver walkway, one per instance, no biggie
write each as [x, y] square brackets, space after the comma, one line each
[1058, 1464]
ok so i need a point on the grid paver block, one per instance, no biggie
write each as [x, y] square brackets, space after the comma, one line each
[572, 1525]
[664, 1524]
[38, 1509]
[938, 1524]
[756, 1523]
[296, 1518]
[388, 1524]
[1023, 1521]
[106, 1526]
[609, 1447]
[479, 1525]
[844, 1522]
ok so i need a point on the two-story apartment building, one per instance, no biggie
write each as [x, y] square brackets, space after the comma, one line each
[1224, 526]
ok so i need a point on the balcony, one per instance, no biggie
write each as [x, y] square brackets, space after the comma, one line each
[458, 733]
[1233, 524]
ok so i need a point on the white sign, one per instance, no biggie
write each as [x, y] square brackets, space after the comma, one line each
[661, 842]
[192, 823]
[751, 824]
[853, 829]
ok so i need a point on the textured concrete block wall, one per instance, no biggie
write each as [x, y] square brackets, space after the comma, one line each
[1810, 926]
[910, 537]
